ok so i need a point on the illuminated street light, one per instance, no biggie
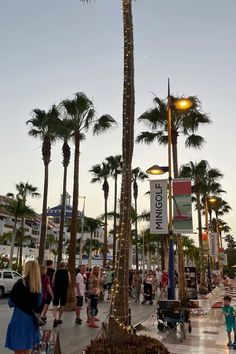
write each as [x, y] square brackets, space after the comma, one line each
[183, 103]
[157, 170]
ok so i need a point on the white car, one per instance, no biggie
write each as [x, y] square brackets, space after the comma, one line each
[7, 280]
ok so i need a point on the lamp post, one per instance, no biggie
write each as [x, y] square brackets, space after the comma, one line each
[181, 104]
[82, 233]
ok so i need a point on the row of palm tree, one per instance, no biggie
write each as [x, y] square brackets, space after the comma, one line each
[111, 167]
[72, 118]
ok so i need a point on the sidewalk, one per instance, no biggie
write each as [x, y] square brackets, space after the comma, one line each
[74, 338]
[208, 334]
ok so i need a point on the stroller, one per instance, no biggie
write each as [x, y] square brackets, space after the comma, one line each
[147, 293]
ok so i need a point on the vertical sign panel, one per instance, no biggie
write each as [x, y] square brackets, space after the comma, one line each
[182, 218]
[213, 244]
[158, 211]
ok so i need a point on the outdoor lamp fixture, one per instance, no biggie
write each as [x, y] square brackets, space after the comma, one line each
[183, 103]
[212, 199]
[157, 170]
[180, 104]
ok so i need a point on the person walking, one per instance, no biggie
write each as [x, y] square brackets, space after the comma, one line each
[25, 297]
[137, 283]
[108, 281]
[49, 272]
[61, 280]
[47, 293]
[93, 293]
[81, 281]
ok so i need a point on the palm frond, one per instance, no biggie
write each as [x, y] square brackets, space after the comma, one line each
[194, 141]
[103, 124]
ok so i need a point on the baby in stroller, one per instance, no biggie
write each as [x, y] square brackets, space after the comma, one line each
[148, 289]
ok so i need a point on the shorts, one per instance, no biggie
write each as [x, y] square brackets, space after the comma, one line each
[230, 326]
[48, 299]
[60, 299]
[79, 301]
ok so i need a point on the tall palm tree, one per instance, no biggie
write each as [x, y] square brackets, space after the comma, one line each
[43, 126]
[119, 303]
[25, 190]
[18, 210]
[63, 132]
[115, 164]
[199, 173]
[92, 224]
[137, 175]
[101, 174]
[81, 115]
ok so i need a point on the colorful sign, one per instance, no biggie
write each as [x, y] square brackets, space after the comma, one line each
[182, 217]
[158, 211]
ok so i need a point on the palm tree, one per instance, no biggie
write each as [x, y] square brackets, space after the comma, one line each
[25, 190]
[19, 210]
[115, 164]
[92, 225]
[101, 173]
[64, 133]
[43, 126]
[184, 122]
[199, 173]
[81, 115]
[119, 303]
[138, 175]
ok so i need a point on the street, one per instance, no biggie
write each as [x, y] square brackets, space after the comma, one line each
[74, 338]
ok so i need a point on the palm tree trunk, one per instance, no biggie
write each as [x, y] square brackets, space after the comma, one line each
[114, 226]
[175, 159]
[136, 232]
[119, 302]
[105, 234]
[13, 239]
[44, 217]
[201, 253]
[74, 221]
[62, 221]
[90, 250]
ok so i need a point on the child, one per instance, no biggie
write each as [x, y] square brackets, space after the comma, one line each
[229, 313]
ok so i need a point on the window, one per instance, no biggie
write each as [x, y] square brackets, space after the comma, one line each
[16, 275]
[0, 275]
[7, 275]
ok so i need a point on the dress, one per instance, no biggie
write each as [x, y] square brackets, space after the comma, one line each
[23, 331]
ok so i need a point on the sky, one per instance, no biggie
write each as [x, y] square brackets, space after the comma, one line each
[52, 49]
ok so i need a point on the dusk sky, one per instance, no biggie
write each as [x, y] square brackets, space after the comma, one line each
[52, 49]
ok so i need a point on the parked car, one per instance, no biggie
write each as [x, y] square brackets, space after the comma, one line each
[7, 280]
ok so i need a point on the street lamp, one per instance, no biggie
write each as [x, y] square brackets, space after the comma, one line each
[180, 104]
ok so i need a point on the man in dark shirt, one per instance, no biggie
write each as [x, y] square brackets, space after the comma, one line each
[61, 280]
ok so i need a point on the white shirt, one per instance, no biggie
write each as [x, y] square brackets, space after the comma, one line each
[81, 284]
